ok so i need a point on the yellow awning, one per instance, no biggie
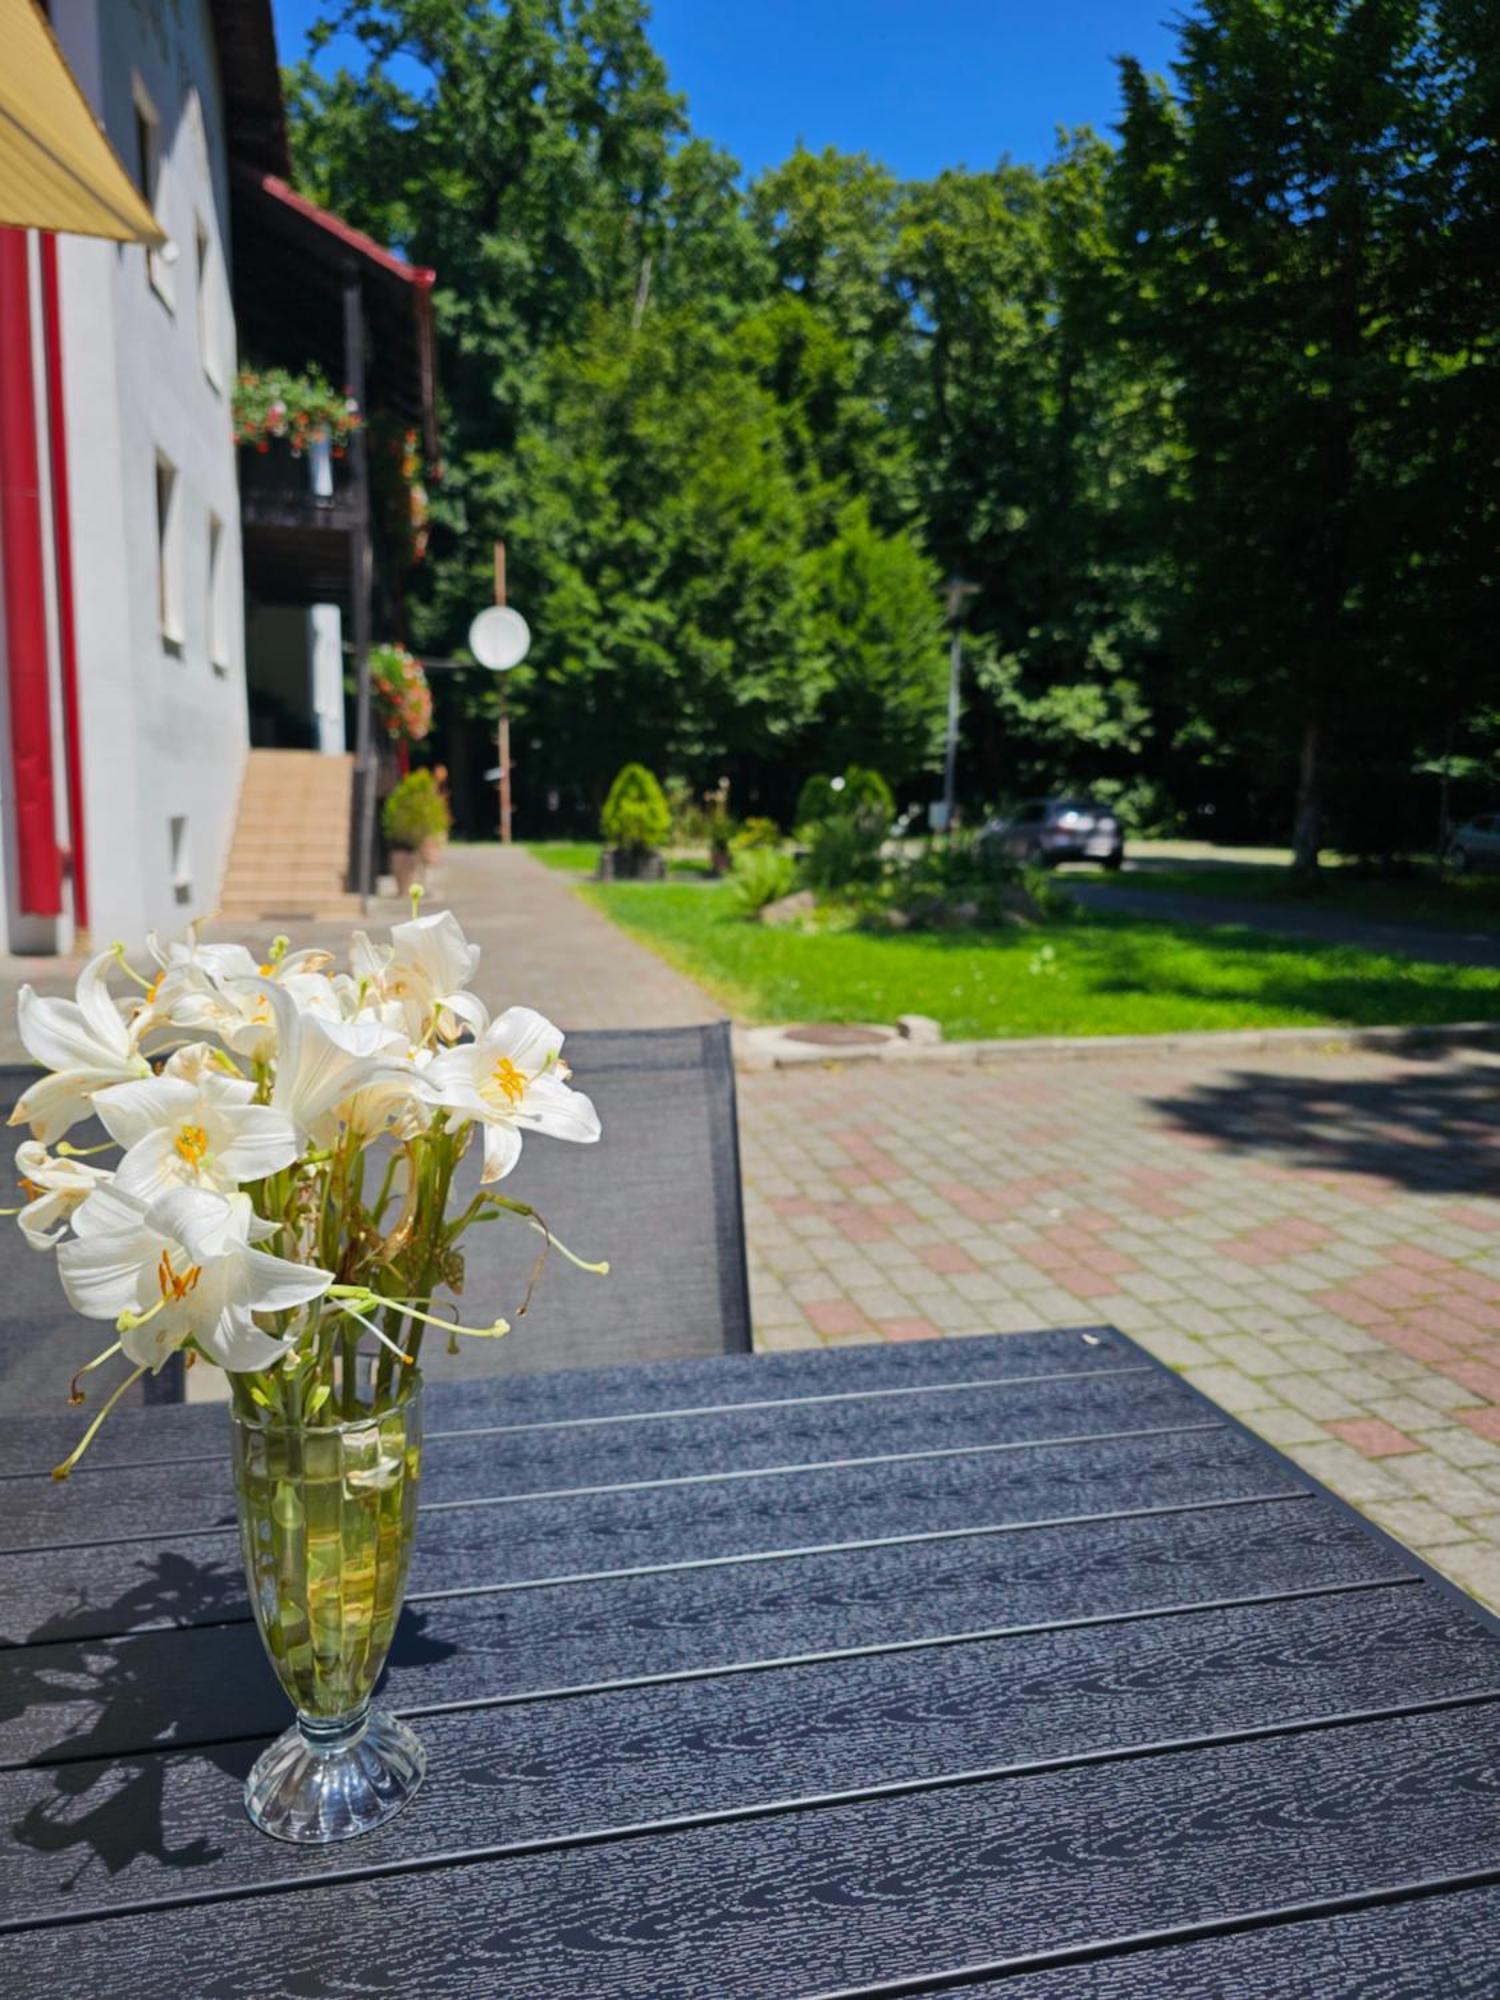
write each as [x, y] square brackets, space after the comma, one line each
[57, 169]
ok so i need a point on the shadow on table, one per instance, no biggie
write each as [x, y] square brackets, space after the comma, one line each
[1433, 1129]
[124, 1704]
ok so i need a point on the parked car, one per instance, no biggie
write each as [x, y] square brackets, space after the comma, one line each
[1475, 844]
[1045, 831]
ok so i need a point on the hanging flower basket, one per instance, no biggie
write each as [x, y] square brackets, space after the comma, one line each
[273, 405]
[403, 699]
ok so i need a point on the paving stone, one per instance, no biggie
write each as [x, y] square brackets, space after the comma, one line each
[1476, 1567]
[1418, 1524]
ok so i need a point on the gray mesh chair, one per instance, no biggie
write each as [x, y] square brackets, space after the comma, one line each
[658, 1196]
[42, 1339]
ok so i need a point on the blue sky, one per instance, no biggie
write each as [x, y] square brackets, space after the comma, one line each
[921, 84]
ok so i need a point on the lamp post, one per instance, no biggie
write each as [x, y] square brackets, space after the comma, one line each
[958, 594]
[500, 639]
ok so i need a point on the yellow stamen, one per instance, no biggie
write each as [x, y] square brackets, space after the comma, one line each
[175, 1287]
[508, 1080]
[191, 1144]
[155, 987]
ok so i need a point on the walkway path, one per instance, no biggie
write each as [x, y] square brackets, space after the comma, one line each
[1314, 1238]
[543, 946]
[1169, 906]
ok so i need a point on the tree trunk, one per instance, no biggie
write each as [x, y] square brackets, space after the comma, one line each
[1307, 830]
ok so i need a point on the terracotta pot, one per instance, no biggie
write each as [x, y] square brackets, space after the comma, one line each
[406, 866]
[432, 850]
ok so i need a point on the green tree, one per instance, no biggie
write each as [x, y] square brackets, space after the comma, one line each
[1288, 212]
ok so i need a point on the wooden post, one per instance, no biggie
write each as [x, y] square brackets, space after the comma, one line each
[503, 744]
[366, 773]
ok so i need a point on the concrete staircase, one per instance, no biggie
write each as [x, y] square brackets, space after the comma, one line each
[290, 854]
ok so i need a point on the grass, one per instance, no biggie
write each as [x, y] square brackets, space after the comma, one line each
[1102, 975]
[581, 857]
[1468, 903]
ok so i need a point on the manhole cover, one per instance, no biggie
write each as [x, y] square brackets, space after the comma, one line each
[835, 1035]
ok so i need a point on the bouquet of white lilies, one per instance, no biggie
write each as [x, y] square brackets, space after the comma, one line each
[287, 1135]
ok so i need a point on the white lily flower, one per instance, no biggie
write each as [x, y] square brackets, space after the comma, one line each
[182, 1269]
[194, 1131]
[232, 1001]
[87, 1045]
[322, 1064]
[420, 976]
[511, 1079]
[56, 1187]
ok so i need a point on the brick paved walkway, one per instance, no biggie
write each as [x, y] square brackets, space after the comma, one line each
[1309, 1238]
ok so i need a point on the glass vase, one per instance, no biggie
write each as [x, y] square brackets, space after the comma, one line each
[327, 1513]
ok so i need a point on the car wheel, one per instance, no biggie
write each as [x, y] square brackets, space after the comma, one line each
[1116, 861]
[1458, 860]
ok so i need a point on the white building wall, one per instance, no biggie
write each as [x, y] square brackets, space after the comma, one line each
[163, 717]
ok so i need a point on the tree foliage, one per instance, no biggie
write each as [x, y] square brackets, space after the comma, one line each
[1210, 417]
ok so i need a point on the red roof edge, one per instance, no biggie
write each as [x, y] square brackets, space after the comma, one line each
[343, 232]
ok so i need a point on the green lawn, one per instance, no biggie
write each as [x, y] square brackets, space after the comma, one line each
[1098, 976]
[579, 856]
[1470, 903]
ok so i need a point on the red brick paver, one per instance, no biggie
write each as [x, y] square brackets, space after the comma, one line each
[1309, 1237]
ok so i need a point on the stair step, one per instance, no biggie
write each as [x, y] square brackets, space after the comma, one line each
[290, 853]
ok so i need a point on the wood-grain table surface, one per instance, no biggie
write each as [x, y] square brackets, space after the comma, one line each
[1005, 1667]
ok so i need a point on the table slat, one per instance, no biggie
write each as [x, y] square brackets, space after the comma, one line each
[845, 1897]
[1443, 1947]
[556, 1771]
[100, 1507]
[96, 1698]
[35, 1443]
[76, 1593]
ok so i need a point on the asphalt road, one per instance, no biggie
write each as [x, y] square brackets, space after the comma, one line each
[1420, 941]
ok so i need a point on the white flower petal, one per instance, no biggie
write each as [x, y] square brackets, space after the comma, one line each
[53, 1105]
[253, 1140]
[550, 1106]
[102, 1275]
[276, 1284]
[526, 1037]
[97, 1006]
[502, 1148]
[152, 1166]
[237, 1343]
[130, 1112]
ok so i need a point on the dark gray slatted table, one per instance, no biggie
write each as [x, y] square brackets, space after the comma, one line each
[1008, 1667]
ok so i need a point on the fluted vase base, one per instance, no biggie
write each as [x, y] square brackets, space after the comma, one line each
[326, 1781]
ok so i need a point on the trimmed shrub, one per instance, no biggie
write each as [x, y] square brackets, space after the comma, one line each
[414, 811]
[636, 815]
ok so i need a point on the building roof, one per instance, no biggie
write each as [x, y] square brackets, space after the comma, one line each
[291, 258]
[250, 77]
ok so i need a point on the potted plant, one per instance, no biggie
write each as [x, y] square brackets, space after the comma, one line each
[635, 821]
[304, 412]
[414, 814]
